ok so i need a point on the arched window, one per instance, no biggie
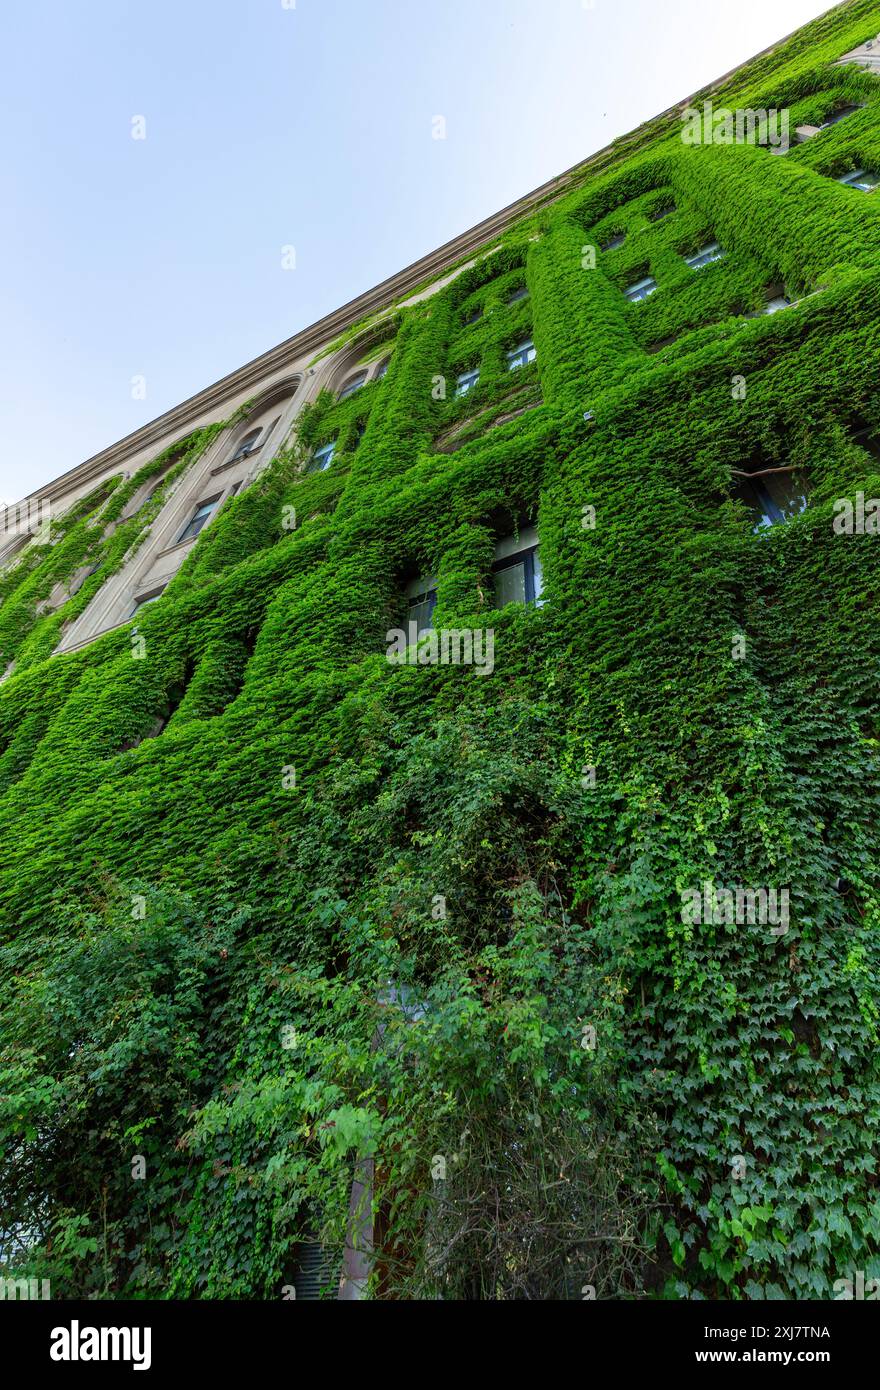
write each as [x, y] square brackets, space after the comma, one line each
[383, 369]
[353, 384]
[247, 445]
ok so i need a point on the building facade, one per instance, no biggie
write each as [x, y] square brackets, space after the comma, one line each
[505, 641]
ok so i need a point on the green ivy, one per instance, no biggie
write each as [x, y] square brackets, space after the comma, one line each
[442, 904]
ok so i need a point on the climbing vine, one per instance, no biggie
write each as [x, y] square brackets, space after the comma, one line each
[273, 908]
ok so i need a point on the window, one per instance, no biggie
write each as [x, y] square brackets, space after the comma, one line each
[144, 599]
[521, 355]
[520, 293]
[247, 446]
[705, 256]
[421, 596]
[323, 457]
[659, 215]
[316, 1269]
[353, 384]
[199, 518]
[775, 303]
[383, 369]
[467, 381]
[517, 571]
[641, 289]
[773, 497]
[860, 178]
[474, 316]
[839, 115]
[775, 298]
[612, 244]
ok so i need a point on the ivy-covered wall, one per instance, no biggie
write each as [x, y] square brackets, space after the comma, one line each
[237, 840]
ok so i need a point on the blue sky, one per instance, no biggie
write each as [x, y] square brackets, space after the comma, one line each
[269, 125]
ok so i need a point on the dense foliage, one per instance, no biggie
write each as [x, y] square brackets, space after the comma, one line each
[452, 946]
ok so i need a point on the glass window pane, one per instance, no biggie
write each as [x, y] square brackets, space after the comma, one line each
[775, 497]
[197, 521]
[520, 356]
[538, 576]
[247, 446]
[354, 385]
[839, 115]
[466, 382]
[323, 457]
[705, 256]
[641, 289]
[787, 493]
[860, 178]
[510, 585]
[421, 610]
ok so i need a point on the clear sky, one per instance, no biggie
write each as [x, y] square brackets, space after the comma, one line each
[270, 125]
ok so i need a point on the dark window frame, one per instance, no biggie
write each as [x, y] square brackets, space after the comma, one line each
[354, 384]
[319, 464]
[250, 443]
[209, 503]
[427, 597]
[763, 503]
[467, 382]
[526, 558]
[141, 600]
